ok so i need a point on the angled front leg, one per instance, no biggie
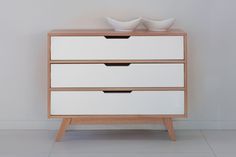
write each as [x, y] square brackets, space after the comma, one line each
[64, 125]
[168, 122]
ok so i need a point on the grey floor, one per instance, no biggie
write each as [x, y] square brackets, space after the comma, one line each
[126, 143]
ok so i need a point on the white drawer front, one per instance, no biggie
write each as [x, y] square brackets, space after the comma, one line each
[135, 47]
[100, 75]
[134, 103]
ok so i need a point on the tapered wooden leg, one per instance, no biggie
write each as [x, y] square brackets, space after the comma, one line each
[168, 122]
[64, 125]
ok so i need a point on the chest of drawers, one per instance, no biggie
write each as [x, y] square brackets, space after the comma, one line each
[100, 76]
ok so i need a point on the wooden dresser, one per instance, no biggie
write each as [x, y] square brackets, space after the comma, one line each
[102, 76]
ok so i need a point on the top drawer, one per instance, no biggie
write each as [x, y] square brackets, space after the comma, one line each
[102, 48]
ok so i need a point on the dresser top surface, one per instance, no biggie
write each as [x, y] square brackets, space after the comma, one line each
[102, 32]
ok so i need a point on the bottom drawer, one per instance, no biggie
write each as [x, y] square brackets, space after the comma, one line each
[100, 103]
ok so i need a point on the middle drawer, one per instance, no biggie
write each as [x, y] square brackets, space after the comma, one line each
[117, 75]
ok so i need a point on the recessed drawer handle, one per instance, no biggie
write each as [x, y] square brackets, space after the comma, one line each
[117, 64]
[110, 91]
[117, 37]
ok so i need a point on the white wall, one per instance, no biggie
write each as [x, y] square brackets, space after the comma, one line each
[212, 37]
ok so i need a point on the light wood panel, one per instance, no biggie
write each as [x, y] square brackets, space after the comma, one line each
[185, 75]
[163, 61]
[49, 76]
[115, 120]
[103, 32]
[120, 89]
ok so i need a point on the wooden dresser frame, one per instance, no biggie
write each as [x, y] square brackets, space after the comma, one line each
[166, 120]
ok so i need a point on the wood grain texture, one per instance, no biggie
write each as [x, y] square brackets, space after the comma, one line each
[120, 89]
[168, 122]
[115, 120]
[49, 76]
[185, 75]
[64, 125]
[173, 32]
[162, 61]
[149, 117]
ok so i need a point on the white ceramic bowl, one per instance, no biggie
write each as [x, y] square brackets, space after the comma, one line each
[123, 26]
[158, 25]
